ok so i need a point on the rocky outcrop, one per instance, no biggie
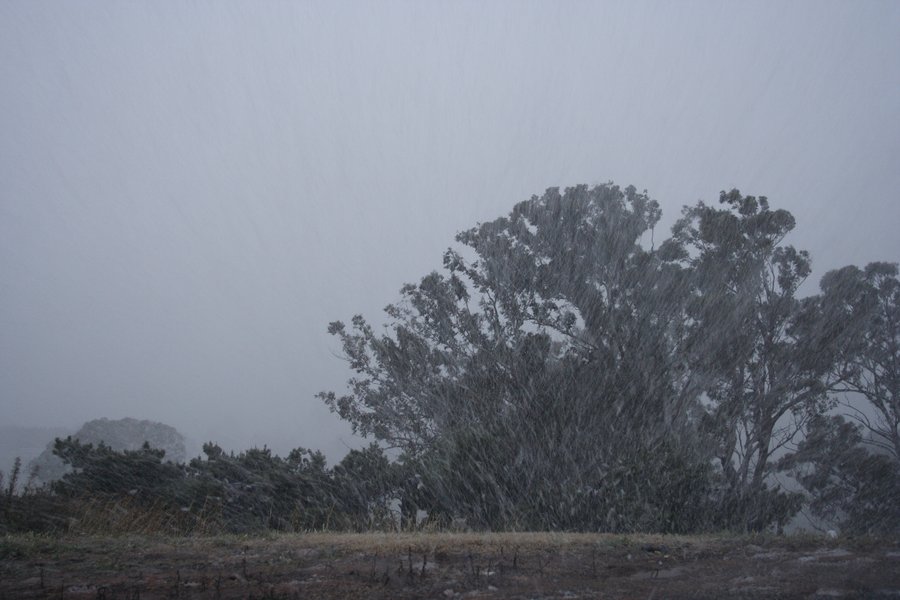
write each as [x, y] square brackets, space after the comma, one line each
[120, 434]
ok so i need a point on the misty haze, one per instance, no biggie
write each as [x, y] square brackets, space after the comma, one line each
[535, 299]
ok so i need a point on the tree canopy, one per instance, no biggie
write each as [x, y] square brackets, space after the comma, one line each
[561, 371]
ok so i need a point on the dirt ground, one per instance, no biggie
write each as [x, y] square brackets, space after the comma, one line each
[447, 566]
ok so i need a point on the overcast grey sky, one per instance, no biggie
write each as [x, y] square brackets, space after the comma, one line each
[190, 192]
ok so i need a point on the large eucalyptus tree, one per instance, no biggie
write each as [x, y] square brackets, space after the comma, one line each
[542, 375]
[762, 351]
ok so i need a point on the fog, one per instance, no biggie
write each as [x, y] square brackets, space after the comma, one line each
[189, 193]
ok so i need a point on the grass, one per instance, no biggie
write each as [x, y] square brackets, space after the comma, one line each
[425, 564]
[30, 544]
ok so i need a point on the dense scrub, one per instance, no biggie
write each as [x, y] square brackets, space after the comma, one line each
[254, 491]
[558, 374]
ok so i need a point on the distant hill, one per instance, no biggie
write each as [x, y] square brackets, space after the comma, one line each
[120, 434]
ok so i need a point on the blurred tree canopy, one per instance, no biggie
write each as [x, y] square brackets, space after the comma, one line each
[561, 371]
[850, 468]
[848, 484]
[255, 490]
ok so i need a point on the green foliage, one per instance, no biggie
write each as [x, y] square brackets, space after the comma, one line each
[559, 375]
[847, 483]
[249, 492]
[551, 375]
[851, 470]
[366, 484]
[483, 478]
[257, 490]
[28, 507]
[102, 471]
[868, 302]
[117, 434]
[757, 346]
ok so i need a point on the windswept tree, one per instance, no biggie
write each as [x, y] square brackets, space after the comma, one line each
[533, 380]
[868, 369]
[365, 483]
[850, 468]
[559, 373]
[762, 350]
[849, 486]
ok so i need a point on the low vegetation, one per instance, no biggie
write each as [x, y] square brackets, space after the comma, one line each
[561, 375]
[448, 566]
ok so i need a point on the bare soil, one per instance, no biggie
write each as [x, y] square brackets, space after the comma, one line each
[447, 566]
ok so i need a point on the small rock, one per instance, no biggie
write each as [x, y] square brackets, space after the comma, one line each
[492, 588]
[449, 593]
[82, 589]
[831, 593]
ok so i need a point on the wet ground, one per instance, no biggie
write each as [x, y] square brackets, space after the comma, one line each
[448, 566]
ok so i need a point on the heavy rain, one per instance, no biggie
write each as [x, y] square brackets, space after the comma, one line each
[534, 299]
